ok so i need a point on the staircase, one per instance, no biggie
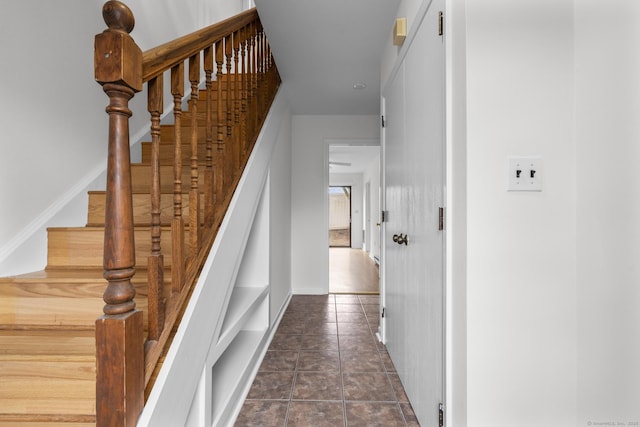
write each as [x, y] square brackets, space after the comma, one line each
[48, 318]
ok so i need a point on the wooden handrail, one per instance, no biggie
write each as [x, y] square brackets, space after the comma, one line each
[235, 52]
[165, 56]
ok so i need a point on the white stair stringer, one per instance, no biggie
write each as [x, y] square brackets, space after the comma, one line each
[186, 392]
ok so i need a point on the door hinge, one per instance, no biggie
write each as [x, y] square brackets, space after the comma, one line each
[382, 120]
[441, 415]
[382, 315]
[440, 24]
[440, 218]
[383, 216]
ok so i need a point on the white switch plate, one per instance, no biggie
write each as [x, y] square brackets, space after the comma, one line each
[529, 177]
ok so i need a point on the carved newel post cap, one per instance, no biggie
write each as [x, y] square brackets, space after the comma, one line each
[117, 58]
[118, 16]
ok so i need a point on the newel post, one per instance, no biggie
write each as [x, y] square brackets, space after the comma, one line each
[119, 332]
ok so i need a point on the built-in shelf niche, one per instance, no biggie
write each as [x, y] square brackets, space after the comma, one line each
[245, 326]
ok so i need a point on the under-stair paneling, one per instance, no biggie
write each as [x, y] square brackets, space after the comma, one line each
[184, 382]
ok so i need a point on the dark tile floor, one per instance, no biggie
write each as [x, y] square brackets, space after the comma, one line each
[325, 367]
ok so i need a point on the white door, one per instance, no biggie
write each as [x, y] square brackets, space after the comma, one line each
[414, 194]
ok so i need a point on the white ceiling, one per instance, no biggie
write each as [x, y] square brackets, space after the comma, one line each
[323, 47]
[359, 158]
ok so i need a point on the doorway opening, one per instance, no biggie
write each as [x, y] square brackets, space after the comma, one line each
[340, 216]
[353, 206]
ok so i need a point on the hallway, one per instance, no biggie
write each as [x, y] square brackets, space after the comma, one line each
[325, 367]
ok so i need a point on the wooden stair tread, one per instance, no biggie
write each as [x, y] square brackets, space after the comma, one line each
[61, 299]
[167, 154]
[83, 246]
[141, 178]
[47, 421]
[47, 376]
[141, 208]
[69, 276]
[47, 345]
[60, 370]
[56, 313]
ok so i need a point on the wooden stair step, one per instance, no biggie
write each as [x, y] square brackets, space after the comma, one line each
[47, 387]
[141, 208]
[83, 246]
[202, 93]
[48, 345]
[47, 378]
[50, 312]
[48, 421]
[141, 178]
[46, 301]
[166, 153]
[201, 117]
[167, 133]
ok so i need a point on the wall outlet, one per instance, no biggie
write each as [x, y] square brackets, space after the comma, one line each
[524, 173]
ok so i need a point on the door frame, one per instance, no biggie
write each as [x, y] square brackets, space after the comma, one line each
[342, 142]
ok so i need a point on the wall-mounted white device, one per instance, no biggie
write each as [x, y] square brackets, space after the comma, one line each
[524, 173]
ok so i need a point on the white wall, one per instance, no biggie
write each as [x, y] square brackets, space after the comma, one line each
[52, 115]
[406, 9]
[355, 181]
[608, 210]
[280, 217]
[309, 236]
[521, 247]
[372, 176]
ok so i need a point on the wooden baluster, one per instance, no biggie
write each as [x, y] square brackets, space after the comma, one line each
[263, 86]
[208, 173]
[194, 193]
[252, 82]
[218, 161]
[155, 262]
[119, 332]
[243, 92]
[177, 223]
[258, 76]
[228, 161]
[236, 104]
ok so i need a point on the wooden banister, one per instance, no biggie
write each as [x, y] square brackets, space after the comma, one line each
[236, 53]
[165, 56]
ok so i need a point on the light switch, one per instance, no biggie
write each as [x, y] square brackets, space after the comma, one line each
[524, 173]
